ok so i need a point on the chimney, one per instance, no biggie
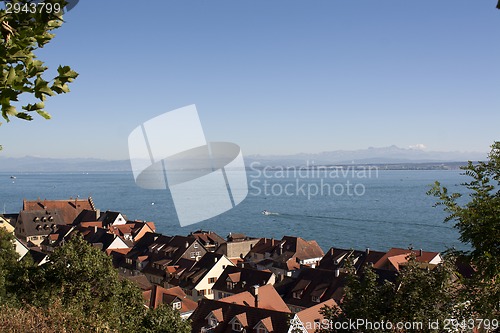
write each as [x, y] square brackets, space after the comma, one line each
[281, 249]
[367, 250]
[421, 252]
[97, 214]
[337, 272]
[95, 229]
[254, 290]
[187, 244]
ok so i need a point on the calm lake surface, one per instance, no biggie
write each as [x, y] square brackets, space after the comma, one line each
[380, 210]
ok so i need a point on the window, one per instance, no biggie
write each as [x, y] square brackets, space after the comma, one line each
[315, 299]
[188, 292]
[297, 294]
[230, 285]
[195, 254]
[262, 329]
[201, 292]
[237, 326]
[128, 261]
[212, 322]
[177, 305]
[209, 292]
[212, 280]
[195, 245]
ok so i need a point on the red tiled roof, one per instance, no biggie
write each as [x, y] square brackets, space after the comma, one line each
[67, 209]
[312, 314]
[268, 299]
[396, 257]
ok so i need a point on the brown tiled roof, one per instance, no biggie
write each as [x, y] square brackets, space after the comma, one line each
[159, 295]
[337, 258]
[315, 283]
[312, 314]
[264, 245]
[268, 324]
[208, 237]
[68, 210]
[396, 257]
[190, 278]
[242, 318]
[234, 277]
[278, 320]
[247, 278]
[268, 299]
[140, 281]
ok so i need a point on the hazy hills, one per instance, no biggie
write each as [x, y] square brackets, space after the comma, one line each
[385, 155]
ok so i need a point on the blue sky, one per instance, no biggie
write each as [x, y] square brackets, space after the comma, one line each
[276, 77]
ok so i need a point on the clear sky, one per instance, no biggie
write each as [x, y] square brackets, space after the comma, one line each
[274, 76]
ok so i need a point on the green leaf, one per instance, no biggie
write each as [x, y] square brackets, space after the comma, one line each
[24, 115]
[34, 107]
[44, 114]
[11, 77]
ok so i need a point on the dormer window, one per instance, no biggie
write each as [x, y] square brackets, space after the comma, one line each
[262, 329]
[195, 245]
[177, 305]
[212, 322]
[315, 299]
[237, 326]
[230, 285]
[297, 294]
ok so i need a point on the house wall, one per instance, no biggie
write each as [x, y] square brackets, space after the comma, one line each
[204, 285]
[237, 249]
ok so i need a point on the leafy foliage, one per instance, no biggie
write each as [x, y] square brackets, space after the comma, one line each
[478, 222]
[417, 296]
[21, 73]
[164, 319]
[8, 261]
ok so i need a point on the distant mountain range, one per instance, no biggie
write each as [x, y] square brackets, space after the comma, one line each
[385, 155]
[392, 155]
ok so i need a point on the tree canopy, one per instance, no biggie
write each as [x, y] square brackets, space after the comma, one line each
[478, 222]
[23, 81]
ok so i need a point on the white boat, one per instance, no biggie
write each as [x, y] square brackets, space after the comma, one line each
[12, 177]
[266, 212]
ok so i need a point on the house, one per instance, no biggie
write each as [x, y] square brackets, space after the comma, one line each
[198, 281]
[264, 297]
[339, 258]
[173, 297]
[21, 249]
[237, 246]
[132, 230]
[155, 247]
[39, 218]
[209, 239]
[110, 218]
[314, 286]
[235, 280]
[39, 258]
[262, 249]
[310, 320]
[216, 316]
[6, 224]
[285, 257]
[395, 258]
[140, 280]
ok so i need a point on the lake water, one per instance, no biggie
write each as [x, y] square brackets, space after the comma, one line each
[380, 210]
